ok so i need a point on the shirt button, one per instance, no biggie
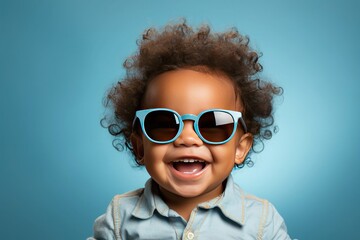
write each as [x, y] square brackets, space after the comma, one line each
[190, 235]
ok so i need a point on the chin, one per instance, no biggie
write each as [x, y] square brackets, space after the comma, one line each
[191, 192]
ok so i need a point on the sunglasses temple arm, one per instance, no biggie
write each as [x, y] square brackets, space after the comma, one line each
[243, 124]
[133, 123]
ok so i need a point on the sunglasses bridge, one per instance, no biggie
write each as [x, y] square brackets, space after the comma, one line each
[190, 117]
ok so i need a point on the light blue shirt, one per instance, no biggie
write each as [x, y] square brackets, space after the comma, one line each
[142, 214]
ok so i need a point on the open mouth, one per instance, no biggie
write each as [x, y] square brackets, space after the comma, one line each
[189, 166]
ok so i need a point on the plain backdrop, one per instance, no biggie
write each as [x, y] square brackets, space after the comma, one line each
[58, 168]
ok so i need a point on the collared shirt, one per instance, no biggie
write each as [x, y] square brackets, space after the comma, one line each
[142, 214]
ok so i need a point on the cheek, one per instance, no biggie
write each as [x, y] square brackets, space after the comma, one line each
[223, 152]
[154, 160]
[154, 152]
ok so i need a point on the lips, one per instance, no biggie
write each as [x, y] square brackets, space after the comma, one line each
[189, 166]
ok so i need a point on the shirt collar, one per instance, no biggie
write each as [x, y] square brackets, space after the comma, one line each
[150, 201]
[231, 202]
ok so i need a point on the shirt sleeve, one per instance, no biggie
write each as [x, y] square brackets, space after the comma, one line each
[274, 227]
[104, 226]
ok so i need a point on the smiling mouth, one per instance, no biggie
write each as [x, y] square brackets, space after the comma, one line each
[189, 166]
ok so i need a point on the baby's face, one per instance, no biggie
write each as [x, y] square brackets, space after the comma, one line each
[191, 92]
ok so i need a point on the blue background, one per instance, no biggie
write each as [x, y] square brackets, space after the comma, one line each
[57, 58]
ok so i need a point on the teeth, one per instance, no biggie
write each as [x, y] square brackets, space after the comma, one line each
[189, 160]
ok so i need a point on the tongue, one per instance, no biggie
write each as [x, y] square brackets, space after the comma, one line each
[188, 168]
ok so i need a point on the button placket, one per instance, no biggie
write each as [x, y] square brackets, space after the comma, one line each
[190, 235]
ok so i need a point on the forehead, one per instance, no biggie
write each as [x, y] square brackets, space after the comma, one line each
[189, 91]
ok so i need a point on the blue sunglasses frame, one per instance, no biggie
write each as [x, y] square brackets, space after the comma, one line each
[141, 115]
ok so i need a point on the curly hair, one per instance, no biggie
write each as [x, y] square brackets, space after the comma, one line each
[179, 46]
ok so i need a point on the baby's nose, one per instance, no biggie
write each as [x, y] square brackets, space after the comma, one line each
[188, 136]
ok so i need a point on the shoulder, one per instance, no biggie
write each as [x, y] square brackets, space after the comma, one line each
[255, 202]
[261, 217]
[256, 206]
[122, 205]
[252, 207]
[107, 225]
[129, 198]
[270, 224]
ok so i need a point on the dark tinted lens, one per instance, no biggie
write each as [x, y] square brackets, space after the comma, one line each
[161, 125]
[216, 126]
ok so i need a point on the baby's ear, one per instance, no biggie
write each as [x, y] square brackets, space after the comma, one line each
[137, 144]
[243, 147]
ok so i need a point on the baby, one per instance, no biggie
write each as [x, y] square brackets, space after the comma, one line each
[190, 109]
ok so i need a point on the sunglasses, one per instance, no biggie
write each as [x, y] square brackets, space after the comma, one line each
[213, 126]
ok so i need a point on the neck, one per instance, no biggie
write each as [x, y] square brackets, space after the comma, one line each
[184, 205]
